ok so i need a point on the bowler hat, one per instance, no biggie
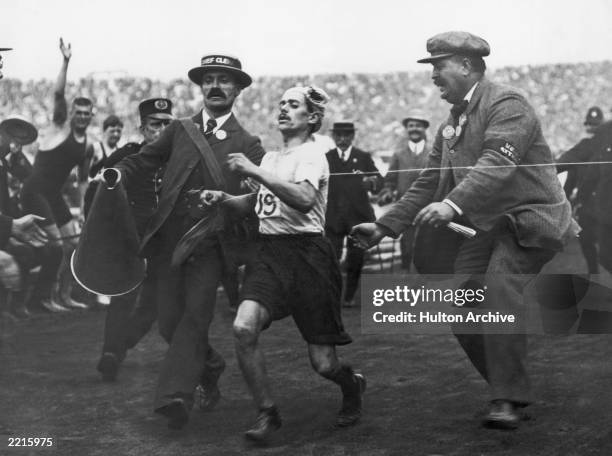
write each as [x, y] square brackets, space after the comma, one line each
[220, 62]
[343, 126]
[455, 43]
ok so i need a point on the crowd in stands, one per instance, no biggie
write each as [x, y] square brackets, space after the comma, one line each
[561, 94]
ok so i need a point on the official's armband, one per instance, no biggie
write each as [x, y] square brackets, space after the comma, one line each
[503, 147]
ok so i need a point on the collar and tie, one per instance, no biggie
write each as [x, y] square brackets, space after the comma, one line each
[345, 155]
[457, 110]
[210, 126]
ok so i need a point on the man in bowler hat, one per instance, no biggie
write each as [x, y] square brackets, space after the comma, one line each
[352, 175]
[520, 213]
[194, 152]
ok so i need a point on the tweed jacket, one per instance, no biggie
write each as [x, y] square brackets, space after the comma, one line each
[479, 171]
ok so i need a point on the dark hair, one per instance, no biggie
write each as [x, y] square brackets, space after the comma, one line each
[111, 121]
[82, 101]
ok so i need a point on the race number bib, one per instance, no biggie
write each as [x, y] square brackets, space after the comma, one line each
[268, 205]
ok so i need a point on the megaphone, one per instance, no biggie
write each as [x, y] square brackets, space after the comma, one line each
[106, 260]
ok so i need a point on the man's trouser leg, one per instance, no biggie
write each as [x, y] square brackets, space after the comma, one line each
[406, 247]
[144, 314]
[182, 368]
[500, 358]
[354, 264]
[117, 315]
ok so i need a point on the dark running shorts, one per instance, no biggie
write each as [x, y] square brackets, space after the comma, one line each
[51, 206]
[298, 275]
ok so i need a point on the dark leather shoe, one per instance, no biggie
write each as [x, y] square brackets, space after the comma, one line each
[267, 422]
[502, 415]
[177, 413]
[108, 366]
[207, 397]
[350, 412]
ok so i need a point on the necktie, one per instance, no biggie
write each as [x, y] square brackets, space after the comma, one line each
[210, 126]
[345, 155]
[457, 110]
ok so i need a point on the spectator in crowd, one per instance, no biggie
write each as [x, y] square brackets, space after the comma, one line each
[409, 158]
[112, 128]
[352, 175]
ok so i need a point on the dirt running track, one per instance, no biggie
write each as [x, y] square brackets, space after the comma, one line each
[423, 398]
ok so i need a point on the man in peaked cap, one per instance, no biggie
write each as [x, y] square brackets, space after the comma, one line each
[129, 317]
[407, 161]
[580, 186]
[194, 152]
[353, 175]
[520, 213]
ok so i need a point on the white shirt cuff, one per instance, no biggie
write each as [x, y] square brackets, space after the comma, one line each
[453, 205]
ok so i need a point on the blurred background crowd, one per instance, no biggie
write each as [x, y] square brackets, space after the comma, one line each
[560, 93]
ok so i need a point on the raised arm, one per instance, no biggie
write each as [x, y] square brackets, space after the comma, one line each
[60, 107]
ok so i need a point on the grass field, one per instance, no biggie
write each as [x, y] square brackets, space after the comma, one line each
[423, 397]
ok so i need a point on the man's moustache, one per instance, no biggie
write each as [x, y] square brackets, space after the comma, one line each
[215, 93]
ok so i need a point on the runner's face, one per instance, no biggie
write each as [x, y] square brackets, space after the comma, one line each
[293, 113]
[152, 128]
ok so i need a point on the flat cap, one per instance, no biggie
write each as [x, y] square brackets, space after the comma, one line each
[455, 43]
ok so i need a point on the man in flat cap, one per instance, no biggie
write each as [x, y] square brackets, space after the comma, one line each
[194, 152]
[353, 175]
[409, 158]
[129, 317]
[580, 186]
[476, 176]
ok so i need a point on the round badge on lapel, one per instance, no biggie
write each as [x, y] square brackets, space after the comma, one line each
[221, 135]
[448, 132]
